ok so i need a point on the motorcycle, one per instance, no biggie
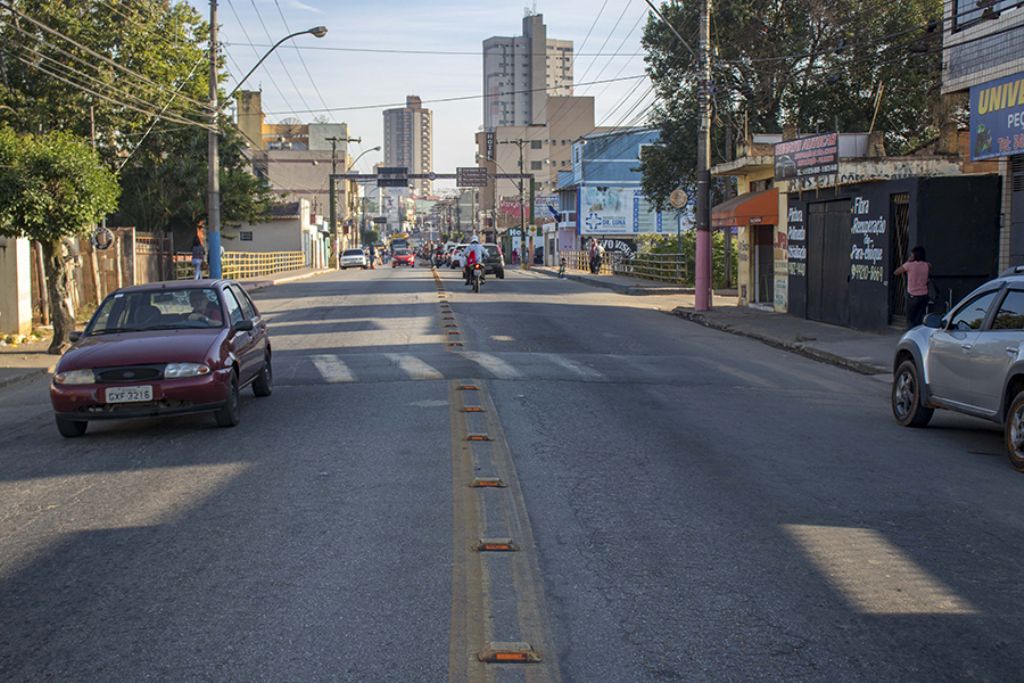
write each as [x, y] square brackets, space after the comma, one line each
[478, 277]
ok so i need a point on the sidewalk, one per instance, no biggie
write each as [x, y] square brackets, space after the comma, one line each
[255, 283]
[864, 352]
[622, 284]
[25, 361]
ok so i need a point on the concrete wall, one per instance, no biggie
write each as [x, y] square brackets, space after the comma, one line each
[15, 286]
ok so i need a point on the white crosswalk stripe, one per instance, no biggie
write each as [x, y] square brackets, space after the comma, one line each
[577, 368]
[414, 367]
[332, 369]
[492, 364]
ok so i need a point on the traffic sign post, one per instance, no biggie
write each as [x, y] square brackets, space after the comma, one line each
[471, 176]
[392, 176]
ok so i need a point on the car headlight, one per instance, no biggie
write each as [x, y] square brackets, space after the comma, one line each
[75, 377]
[175, 370]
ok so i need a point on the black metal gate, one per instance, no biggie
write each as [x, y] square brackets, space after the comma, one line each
[899, 211]
[828, 262]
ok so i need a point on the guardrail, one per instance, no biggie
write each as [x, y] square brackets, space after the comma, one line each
[674, 268]
[241, 265]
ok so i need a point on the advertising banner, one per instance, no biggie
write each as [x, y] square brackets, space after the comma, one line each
[489, 143]
[509, 206]
[997, 118]
[605, 210]
[541, 202]
[810, 156]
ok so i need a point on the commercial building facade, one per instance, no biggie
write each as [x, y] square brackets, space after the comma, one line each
[409, 141]
[983, 55]
[520, 73]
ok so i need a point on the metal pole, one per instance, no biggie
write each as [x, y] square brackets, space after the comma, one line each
[522, 210]
[213, 160]
[333, 205]
[703, 218]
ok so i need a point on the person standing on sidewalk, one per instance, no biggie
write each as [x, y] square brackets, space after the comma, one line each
[918, 272]
[198, 255]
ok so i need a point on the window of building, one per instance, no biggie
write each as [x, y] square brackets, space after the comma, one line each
[970, 12]
[536, 165]
[536, 144]
[245, 235]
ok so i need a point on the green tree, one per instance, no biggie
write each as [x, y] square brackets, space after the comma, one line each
[818, 65]
[370, 236]
[138, 59]
[53, 186]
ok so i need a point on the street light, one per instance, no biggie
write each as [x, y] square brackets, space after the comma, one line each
[362, 207]
[213, 162]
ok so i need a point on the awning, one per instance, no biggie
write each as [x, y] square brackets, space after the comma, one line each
[753, 208]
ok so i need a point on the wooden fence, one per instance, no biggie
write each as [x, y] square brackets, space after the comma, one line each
[674, 268]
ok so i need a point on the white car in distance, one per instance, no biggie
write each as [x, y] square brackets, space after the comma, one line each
[354, 258]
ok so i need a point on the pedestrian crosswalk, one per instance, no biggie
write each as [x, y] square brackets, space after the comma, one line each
[294, 367]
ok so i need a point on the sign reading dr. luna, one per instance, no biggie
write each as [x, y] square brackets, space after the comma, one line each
[997, 118]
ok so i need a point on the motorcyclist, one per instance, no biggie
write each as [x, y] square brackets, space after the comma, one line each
[474, 254]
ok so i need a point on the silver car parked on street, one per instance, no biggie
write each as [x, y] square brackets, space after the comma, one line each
[971, 361]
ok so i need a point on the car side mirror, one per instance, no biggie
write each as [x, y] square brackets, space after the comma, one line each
[933, 320]
[242, 326]
[75, 336]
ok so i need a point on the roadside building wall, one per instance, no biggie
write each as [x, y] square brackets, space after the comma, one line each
[15, 286]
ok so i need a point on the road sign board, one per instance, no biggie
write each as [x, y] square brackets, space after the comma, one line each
[380, 219]
[471, 176]
[392, 176]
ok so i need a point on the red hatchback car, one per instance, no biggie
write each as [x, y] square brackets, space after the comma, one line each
[403, 257]
[164, 349]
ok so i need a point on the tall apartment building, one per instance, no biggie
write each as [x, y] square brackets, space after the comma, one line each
[409, 140]
[520, 73]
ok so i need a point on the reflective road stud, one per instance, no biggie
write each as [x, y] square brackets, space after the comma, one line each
[496, 545]
[509, 653]
[487, 482]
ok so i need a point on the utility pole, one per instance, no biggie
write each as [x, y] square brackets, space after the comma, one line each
[213, 161]
[703, 205]
[523, 256]
[333, 205]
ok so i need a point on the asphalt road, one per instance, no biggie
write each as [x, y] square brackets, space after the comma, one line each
[686, 505]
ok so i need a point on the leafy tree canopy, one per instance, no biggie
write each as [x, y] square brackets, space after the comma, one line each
[814, 64]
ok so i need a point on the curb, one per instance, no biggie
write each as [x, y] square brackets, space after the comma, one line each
[260, 284]
[628, 290]
[793, 347]
[29, 373]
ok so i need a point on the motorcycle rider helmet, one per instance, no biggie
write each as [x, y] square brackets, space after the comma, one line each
[475, 240]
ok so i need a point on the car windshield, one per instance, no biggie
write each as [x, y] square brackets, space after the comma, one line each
[353, 252]
[161, 309]
[492, 250]
[401, 252]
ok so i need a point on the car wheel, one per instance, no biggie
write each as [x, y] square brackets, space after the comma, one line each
[263, 385]
[71, 428]
[1014, 432]
[231, 413]
[907, 406]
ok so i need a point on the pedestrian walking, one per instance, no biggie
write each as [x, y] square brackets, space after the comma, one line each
[515, 256]
[918, 272]
[198, 255]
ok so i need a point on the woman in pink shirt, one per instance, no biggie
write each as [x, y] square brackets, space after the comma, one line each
[918, 272]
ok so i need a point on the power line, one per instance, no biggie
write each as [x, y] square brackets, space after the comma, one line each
[98, 94]
[463, 97]
[266, 71]
[397, 51]
[625, 7]
[9, 7]
[302, 60]
[280, 59]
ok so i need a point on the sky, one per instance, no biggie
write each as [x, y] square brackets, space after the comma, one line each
[347, 79]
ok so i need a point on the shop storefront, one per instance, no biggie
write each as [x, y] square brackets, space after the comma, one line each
[755, 218]
[843, 244]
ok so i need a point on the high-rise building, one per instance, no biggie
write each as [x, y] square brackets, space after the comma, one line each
[520, 73]
[408, 140]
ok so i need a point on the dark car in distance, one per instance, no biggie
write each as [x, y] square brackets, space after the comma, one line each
[494, 261]
[165, 348]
